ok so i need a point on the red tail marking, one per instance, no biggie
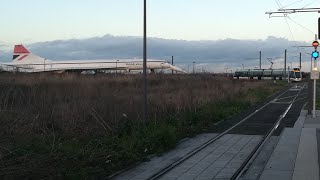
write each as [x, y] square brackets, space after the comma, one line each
[20, 49]
[24, 56]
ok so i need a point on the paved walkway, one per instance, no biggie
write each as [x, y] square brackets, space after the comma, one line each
[296, 155]
[219, 160]
[146, 169]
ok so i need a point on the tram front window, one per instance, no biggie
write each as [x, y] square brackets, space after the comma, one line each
[298, 74]
[292, 75]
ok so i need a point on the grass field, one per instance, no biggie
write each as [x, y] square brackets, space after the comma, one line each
[75, 126]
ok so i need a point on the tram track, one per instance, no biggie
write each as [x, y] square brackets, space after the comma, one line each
[256, 151]
[284, 101]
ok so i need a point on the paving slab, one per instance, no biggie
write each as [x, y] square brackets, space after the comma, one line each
[276, 175]
[239, 158]
[304, 156]
[304, 113]
[306, 165]
[208, 155]
[261, 160]
[224, 158]
[145, 169]
[282, 161]
[300, 122]
[311, 122]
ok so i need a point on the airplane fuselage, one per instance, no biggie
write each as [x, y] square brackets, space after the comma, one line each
[25, 61]
[48, 65]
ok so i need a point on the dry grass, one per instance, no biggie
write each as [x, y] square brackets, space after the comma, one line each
[86, 105]
[55, 109]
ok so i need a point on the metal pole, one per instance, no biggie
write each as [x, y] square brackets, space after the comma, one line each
[318, 27]
[314, 90]
[310, 90]
[314, 98]
[311, 65]
[285, 63]
[193, 67]
[145, 105]
[172, 62]
[260, 59]
[288, 75]
[116, 66]
[300, 62]
[314, 83]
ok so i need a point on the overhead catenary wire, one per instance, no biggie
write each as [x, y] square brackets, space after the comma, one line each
[295, 2]
[301, 25]
[285, 17]
[292, 3]
[279, 3]
[286, 13]
[309, 4]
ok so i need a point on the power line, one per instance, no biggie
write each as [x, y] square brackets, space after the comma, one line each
[292, 34]
[309, 4]
[285, 12]
[279, 3]
[301, 25]
[285, 17]
[292, 4]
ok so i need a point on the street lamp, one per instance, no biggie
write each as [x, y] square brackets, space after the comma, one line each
[145, 107]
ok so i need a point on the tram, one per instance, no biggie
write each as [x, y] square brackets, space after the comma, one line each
[295, 75]
[260, 74]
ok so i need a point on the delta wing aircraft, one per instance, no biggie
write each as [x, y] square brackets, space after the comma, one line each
[25, 61]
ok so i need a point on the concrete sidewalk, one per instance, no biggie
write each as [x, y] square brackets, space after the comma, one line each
[296, 156]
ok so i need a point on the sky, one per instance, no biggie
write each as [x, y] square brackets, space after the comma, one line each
[38, 20]
[35, 22]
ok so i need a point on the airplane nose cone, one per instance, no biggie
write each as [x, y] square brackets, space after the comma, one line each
[175, 68]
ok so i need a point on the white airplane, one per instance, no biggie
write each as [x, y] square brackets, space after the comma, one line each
[25, 61]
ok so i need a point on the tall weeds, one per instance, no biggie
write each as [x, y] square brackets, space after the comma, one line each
[74, 118]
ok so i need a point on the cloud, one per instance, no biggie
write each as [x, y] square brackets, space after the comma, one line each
[216, 53]
[5, 53]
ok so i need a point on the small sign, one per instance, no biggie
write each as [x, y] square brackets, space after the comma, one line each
[315, 44]
[314, 75]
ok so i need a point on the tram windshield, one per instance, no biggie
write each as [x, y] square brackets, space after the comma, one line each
[295, 74]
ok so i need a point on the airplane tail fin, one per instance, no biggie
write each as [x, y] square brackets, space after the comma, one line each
[19, 53]
[22, 54]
